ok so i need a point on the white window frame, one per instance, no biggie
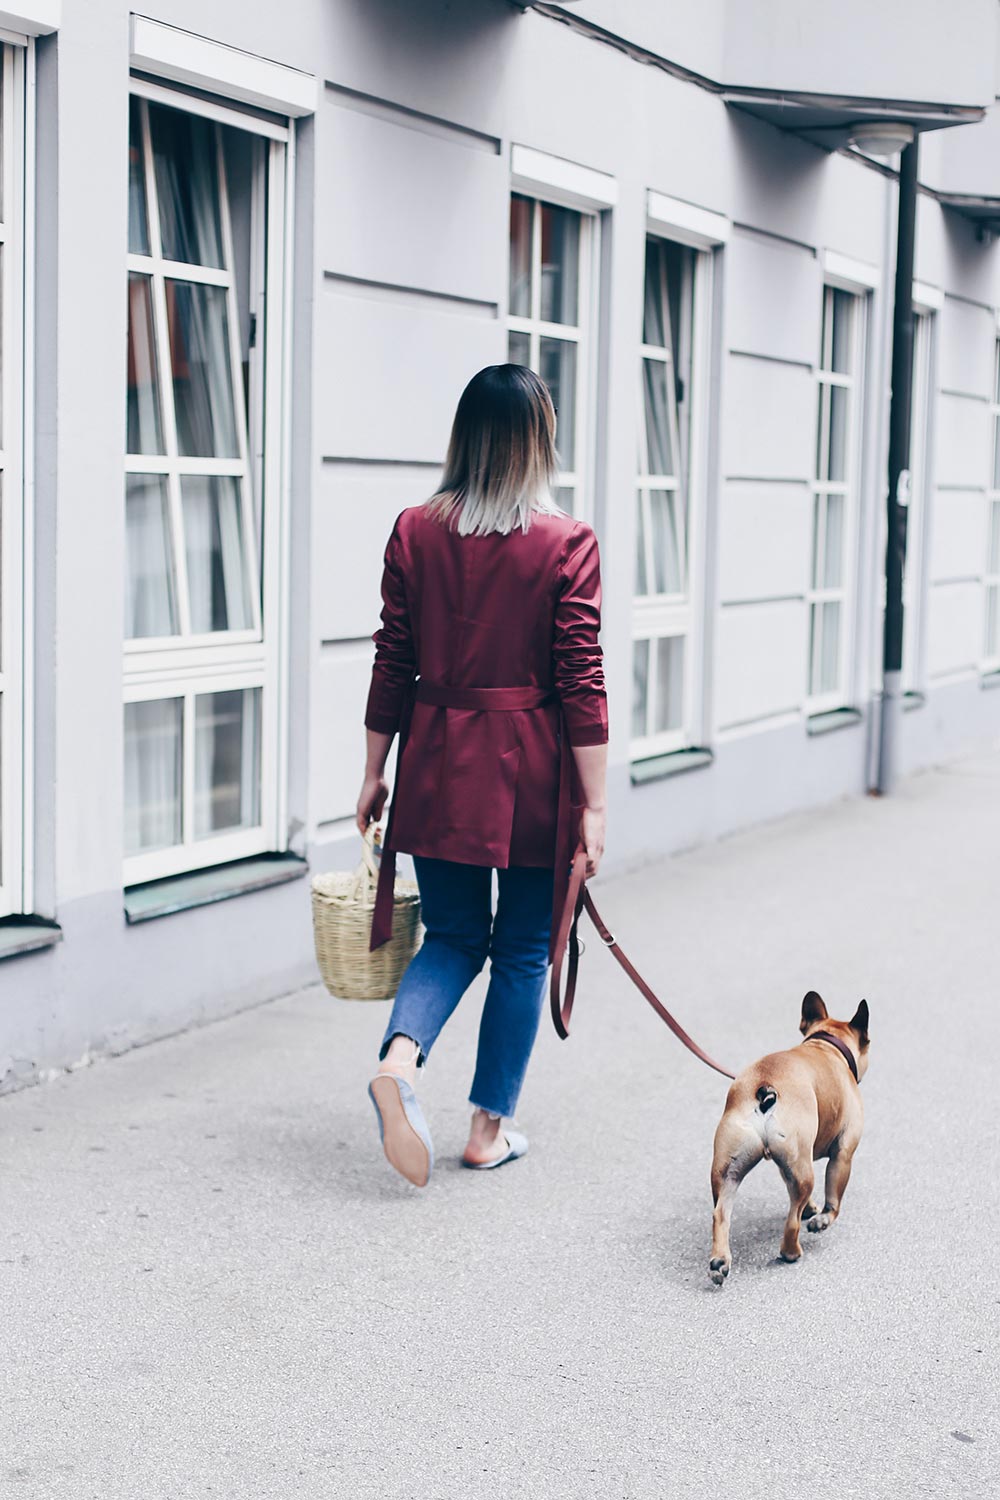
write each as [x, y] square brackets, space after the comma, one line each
[858, 282]
[657, 615]
[15, 467]
[991, 660]
[254, 658]
[564, 184]
[705, 232]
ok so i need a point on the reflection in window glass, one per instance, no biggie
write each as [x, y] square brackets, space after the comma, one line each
[216, 561]
[560, 264]
[152, 774]
[226, 761]
[201, 370]
[521, 217]
[150, 603]
[138, 224]
[557, 367]
[144, 427]
[185, 160]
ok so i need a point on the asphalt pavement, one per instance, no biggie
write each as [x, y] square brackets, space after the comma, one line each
[214, 1286]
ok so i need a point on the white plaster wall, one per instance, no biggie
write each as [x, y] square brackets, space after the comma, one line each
[400, 296]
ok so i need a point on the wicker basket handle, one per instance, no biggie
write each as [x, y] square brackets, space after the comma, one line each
[366, 873]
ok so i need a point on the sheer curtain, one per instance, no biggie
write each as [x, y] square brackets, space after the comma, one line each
[152, 774]
[150, 606]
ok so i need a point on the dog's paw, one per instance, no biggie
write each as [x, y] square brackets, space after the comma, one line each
[718, 1270]
[790, 1256]
[810, 1211]
[819, 1222]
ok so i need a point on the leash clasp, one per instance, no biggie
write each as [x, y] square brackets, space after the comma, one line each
[609, 941]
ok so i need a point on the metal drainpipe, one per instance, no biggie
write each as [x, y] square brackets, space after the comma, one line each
[899, 473]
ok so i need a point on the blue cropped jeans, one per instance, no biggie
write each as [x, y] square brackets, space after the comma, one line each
[461, 933]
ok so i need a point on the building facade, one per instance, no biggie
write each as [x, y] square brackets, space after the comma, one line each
[249, 260]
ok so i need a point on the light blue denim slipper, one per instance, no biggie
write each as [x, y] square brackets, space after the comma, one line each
[402, 1128]
[517, 1144]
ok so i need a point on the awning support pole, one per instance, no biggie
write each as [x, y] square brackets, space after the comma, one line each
[898, 497]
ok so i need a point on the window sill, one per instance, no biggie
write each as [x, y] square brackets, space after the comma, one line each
[27, 935]
[161, 898]
[990, 679]
[674, 763]
[836, 718]
[913, 699]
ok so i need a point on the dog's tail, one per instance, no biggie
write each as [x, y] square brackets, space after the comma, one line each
[767, 1098]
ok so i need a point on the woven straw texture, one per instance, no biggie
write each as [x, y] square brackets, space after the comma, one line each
[342, 906]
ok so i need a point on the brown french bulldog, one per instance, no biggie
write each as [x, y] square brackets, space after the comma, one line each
[793, 1107]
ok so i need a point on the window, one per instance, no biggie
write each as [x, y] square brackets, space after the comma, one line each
[834, 497]
[550, 256]
[202, 486]
[12, 575]
[662, 613]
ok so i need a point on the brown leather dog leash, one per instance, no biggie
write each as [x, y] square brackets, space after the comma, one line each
[577, 898]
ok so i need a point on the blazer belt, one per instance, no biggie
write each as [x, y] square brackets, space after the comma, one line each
[506, 698]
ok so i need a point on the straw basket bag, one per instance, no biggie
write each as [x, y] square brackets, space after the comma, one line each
[342, 907]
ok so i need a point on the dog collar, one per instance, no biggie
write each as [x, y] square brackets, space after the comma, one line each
[842, 1048]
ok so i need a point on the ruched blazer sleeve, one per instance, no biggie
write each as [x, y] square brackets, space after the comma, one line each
[395, 665]
[577, 659]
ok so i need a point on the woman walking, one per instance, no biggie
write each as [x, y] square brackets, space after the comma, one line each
[488, 666]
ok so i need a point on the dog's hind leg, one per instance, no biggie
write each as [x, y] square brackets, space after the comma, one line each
[838, 1172]
[797, 1171]
[738, 1149]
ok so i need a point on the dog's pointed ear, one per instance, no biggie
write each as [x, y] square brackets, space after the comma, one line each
[859, 1023]
[813, 1010]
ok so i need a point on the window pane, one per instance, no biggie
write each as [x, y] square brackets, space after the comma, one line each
[218, 584]
[202, 375]
[994, 554]
[150, 601]
[996, 452]
[187, 186]
[226, 761]
[640, 687]
[828, 664]
[560, 264]
[641, 581]
[558, 370]
[843, 310]
[660, 457]
[521, 210]
[566, 497]
[669, 683]
[993, 621]
[833, 561]
[668, 564]
[653, 324]
[144, 429]
[817, 519]
[837, 465]
[153, 774]
[138, 225]
[519, 349]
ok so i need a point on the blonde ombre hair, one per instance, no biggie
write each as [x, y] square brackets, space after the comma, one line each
[501, 462]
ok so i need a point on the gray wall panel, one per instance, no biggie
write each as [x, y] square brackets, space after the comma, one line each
[412, 209]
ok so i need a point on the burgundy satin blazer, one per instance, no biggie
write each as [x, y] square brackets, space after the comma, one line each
[481, 787]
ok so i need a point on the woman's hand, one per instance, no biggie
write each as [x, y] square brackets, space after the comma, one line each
[593, 822]
[371, 800]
